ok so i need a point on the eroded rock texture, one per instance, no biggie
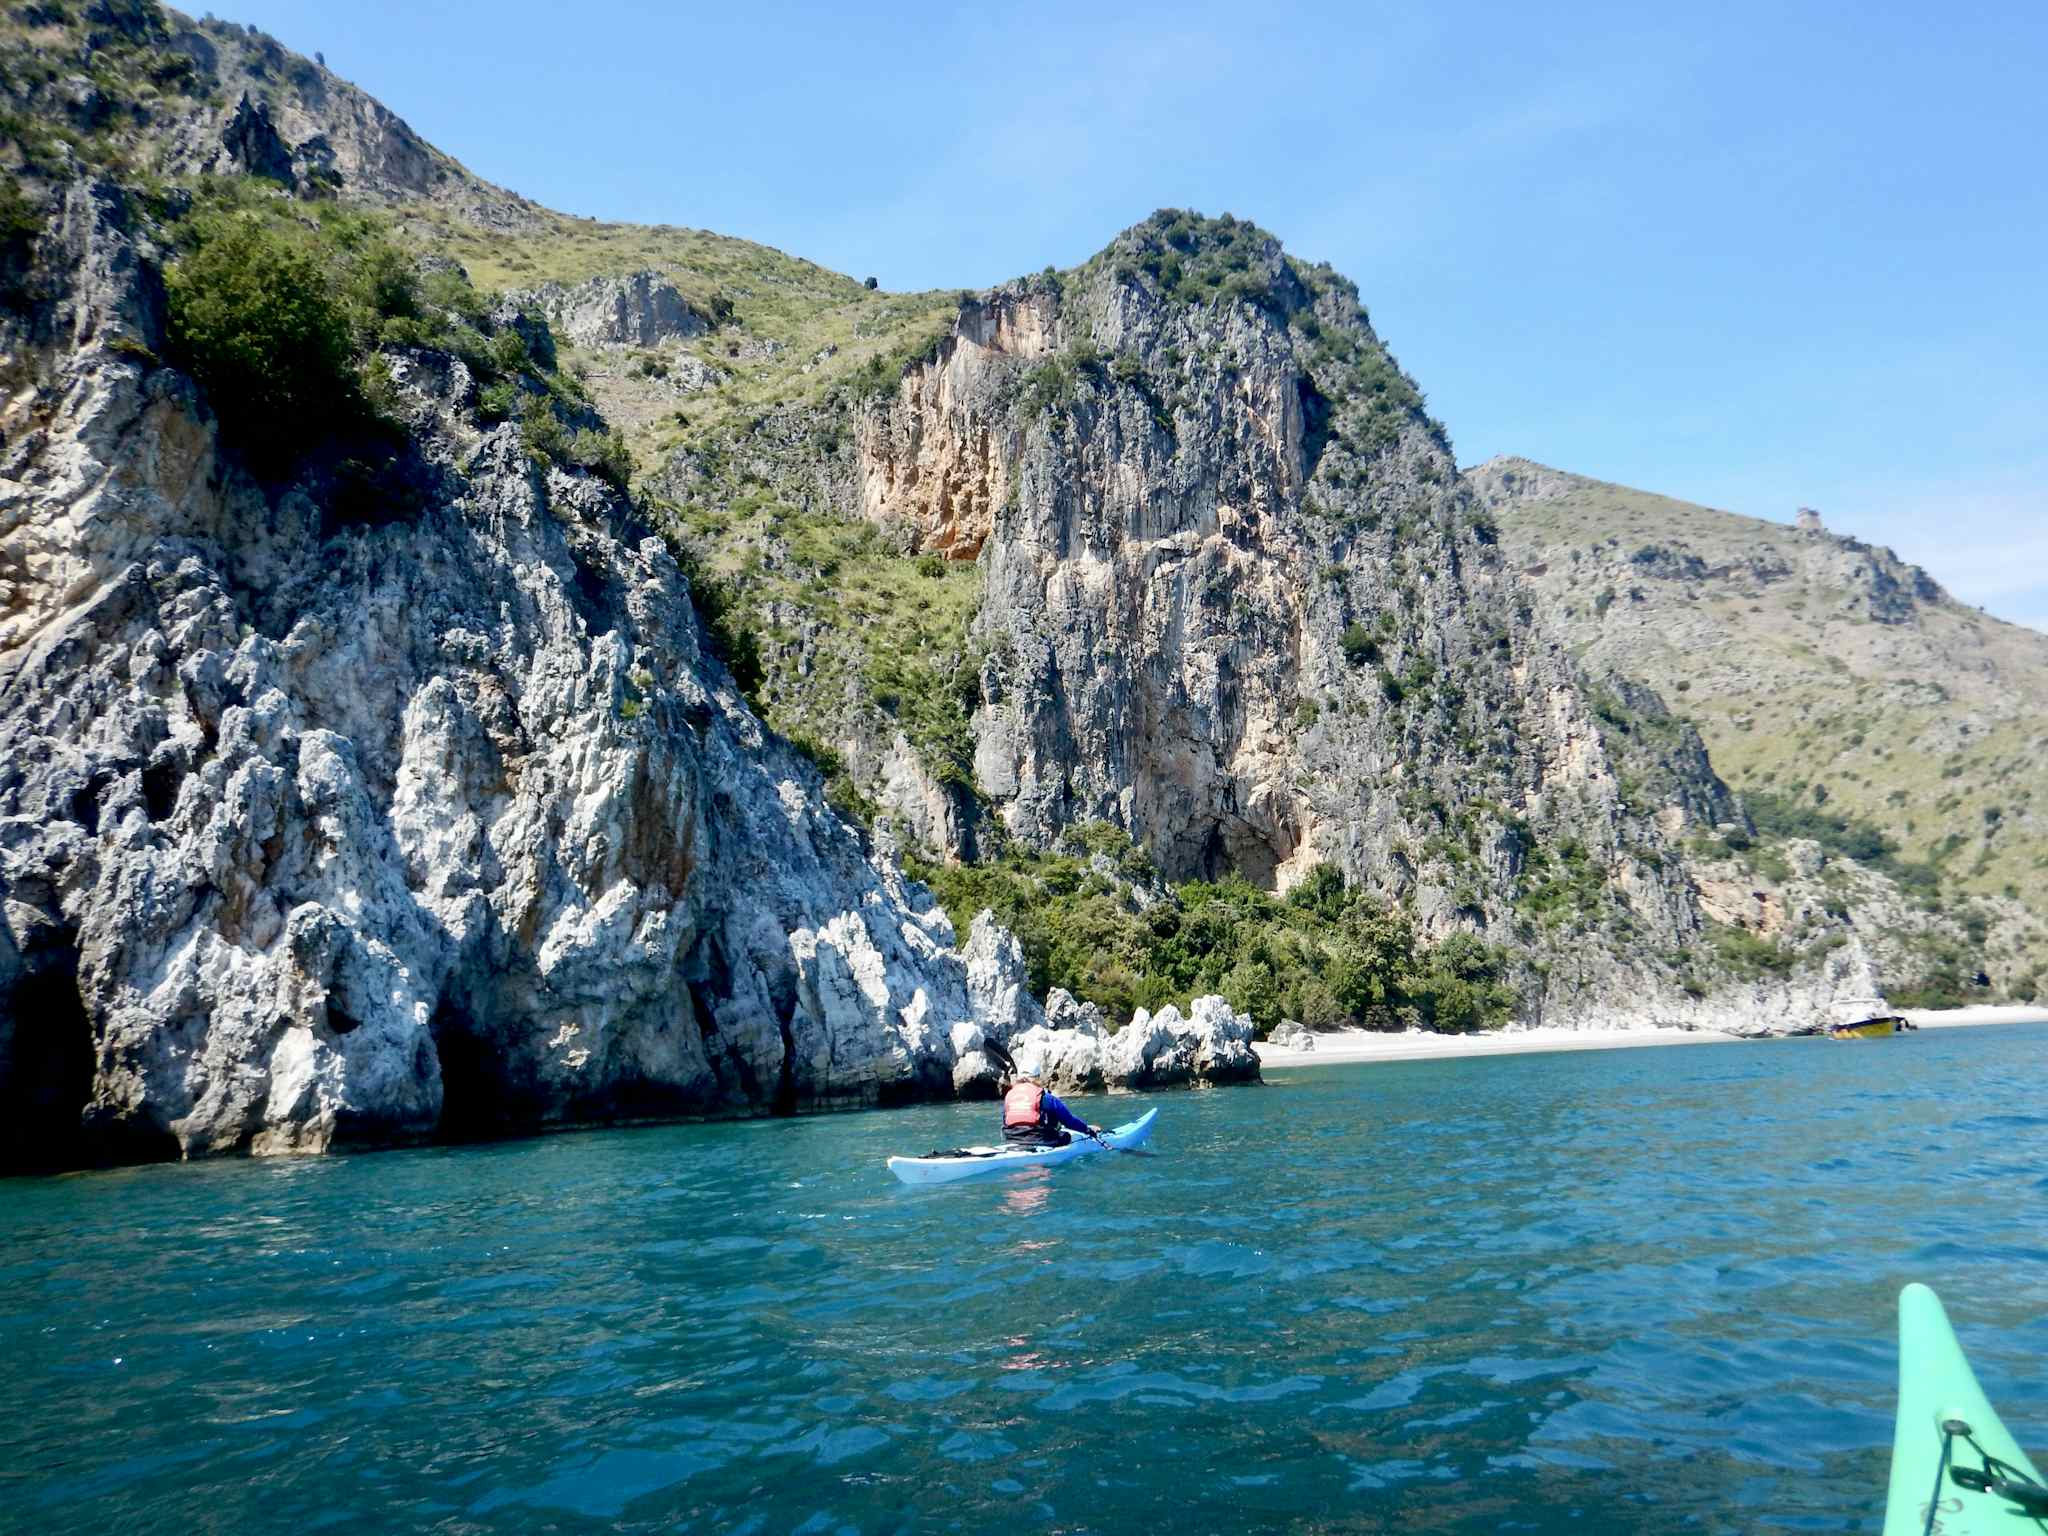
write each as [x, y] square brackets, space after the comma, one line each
[427, 817]
[1238, 603]
[641, 310]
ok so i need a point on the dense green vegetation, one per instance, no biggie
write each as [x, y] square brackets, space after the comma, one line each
[721, 605]
[878, 376]
[1781, 816]
[882, 630]
[932, 701]
[274, 315]
[1360, 645]
[1949, 975]
[1197, 260]
[283, 310]
[1326, 954]
[1748, 956]
[1561, 887]
[21, 221]
[1366, 395]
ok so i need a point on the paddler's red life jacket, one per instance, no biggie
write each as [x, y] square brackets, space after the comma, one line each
[1021, 1105]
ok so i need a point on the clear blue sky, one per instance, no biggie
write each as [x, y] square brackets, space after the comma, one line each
[1751, 255]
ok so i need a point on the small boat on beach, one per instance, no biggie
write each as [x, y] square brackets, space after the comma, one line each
[1870, 1021]
[1871, 1029]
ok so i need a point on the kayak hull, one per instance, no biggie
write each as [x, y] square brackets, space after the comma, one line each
[1937, 1387]
[948, 1170]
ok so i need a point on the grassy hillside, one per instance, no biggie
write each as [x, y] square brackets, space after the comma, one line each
[787, 331]
[1828, 678]
[736, 440]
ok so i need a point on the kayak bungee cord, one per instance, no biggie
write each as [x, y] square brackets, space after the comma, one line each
[1995, 1492]
[1996, 1476]
[1948, 1441]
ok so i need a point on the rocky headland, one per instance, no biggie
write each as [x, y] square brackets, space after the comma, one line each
[507, 688]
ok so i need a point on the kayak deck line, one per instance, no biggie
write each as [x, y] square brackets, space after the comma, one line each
[1955, 1467]
[967, 1162]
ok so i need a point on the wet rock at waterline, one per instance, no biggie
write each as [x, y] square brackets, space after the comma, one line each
[1211, 1044]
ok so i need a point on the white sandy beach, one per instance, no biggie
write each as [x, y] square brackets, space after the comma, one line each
[1358, 1045]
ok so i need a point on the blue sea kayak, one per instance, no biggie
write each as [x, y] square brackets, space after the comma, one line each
[971, 1162]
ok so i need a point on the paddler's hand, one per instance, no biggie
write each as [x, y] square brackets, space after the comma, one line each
[1094, 1130]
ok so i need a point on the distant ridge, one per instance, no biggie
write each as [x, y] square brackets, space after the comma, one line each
[1817, 667]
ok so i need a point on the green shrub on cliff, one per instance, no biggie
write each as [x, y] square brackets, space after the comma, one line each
[1781, 816]
[21, 222]
[1051, 385]
[284, 311]
[1748, 955]
[877, 378]
[1197, 260]
[261, 318]
[1561, 886]
[604, 454]
[549, 439]
[1359, 645]
[729, 627]
[932, 702]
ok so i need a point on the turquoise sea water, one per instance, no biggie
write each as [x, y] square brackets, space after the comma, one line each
[1644, 1290]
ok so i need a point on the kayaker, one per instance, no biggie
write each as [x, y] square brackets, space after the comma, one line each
[1034, 1117]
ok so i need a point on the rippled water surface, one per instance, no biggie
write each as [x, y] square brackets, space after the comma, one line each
[1625, 1290]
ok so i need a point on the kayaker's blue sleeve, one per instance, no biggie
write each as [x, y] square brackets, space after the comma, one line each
[1061, 1113]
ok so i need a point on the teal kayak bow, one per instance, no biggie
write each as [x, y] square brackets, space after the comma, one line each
[1956, 1470]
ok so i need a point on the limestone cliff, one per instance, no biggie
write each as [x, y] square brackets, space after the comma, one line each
[1238, 602]
[638, 310]
[268, 111]
[378, 802]
[1231, 596]
[1182, 510]
[432, 796]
